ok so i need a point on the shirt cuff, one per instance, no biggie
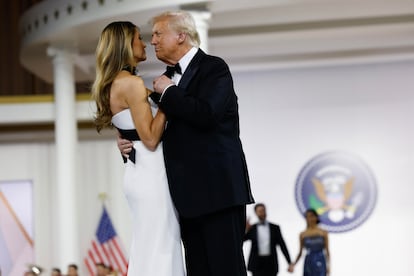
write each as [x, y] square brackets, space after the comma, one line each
[165, 89]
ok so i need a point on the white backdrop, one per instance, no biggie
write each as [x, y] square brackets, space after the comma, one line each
[287, 117]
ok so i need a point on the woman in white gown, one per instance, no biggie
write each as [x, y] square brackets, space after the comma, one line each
[122, 100]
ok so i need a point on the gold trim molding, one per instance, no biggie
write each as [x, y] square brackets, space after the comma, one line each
[38, 98]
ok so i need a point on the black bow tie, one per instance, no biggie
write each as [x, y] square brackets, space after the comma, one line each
[169, 73]
[173, 69]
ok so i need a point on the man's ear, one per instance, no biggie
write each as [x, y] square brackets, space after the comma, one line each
[181, 37]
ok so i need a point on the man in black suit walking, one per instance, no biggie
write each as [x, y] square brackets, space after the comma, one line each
[205, 163]
[264, 237]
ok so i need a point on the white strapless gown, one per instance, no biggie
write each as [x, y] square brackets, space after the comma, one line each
[156, 245]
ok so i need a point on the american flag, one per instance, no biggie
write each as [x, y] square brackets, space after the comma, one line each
[106, 248]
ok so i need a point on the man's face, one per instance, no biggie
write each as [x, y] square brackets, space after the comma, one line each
[101, 270]
[261, 213]
[72, 271]
[165, 42]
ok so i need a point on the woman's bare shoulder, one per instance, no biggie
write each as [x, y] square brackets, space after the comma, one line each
[324, 232]
[128, 81]
[129, 85]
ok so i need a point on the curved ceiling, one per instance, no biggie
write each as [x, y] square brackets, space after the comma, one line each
[247, 34]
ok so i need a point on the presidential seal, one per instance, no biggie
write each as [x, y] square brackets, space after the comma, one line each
[340, 187]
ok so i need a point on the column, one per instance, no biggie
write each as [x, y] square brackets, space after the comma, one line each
[66, 154]
[202, 19]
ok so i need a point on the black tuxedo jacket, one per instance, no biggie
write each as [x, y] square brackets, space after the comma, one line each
[204, 159]
[276, 239]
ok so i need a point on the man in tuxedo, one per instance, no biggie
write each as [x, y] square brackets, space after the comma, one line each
[264, 237]
[204, 158]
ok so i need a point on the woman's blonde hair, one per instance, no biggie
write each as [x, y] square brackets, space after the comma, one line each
[113, 53]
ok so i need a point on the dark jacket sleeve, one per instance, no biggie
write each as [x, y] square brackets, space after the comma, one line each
[207, 101]
[283, 246]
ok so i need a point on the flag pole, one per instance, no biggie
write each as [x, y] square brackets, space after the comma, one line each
[103, 197]
[106, 247]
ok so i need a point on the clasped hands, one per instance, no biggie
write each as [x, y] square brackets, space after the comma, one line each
[161, 83]
[291, 268]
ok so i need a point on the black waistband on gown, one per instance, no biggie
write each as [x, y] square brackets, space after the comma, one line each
[132, 135]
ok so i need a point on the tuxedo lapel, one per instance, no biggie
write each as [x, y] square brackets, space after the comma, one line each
[191, 69]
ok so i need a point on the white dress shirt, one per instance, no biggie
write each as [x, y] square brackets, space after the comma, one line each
[263, 239]
[184, 62]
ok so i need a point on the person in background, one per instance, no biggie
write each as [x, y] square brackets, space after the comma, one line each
[204, 158]
[56, 272]
[72, 270]
[112, 272]
[102, 269]
[265, 237]
[315, 241]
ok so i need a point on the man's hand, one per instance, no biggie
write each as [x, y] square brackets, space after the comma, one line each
[124, 146]
[161, 83]
[248, 225]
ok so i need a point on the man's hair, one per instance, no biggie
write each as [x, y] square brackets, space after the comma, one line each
[180, 22]
[259, 205]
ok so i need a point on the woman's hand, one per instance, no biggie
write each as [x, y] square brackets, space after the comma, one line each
[124, 146]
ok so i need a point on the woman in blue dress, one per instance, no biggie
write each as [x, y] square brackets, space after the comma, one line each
[315, 240]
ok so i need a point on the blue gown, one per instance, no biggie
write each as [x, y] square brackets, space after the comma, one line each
[315, 264]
